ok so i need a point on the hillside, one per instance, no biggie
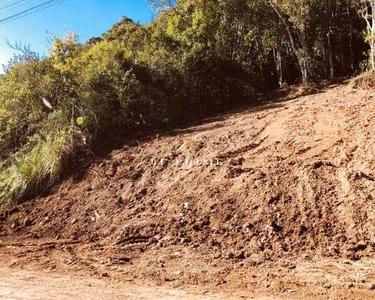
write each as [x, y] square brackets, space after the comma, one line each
[194, 59]
[285, 207]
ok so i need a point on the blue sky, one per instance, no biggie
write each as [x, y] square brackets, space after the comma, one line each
[86, 17]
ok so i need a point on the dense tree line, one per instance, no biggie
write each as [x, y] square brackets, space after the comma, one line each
[196, 57]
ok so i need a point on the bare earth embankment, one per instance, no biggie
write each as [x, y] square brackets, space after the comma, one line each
[288, 212]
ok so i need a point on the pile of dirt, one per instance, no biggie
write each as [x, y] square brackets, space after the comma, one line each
[287, 179]
[365, 81]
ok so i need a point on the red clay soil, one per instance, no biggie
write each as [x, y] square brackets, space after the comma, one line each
[279, 199]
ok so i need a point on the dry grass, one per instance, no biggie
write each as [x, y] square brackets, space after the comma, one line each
[28, 170]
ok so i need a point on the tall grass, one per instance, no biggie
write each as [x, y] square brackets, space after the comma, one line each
[38, 165]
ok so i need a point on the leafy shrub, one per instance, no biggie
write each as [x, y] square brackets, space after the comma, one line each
[110, 96]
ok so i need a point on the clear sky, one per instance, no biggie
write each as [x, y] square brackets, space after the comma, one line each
[87, 17]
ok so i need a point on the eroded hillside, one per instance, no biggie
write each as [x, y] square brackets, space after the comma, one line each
[279, 186]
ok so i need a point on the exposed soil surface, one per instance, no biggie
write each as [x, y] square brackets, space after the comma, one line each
[279, 201]
[36, 285]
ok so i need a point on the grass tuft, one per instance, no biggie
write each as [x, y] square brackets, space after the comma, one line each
[30, 170]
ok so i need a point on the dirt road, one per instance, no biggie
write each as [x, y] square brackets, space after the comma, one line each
[277, 200]
[28, 285]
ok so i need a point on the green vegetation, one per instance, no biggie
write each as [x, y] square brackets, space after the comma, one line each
[197, 57]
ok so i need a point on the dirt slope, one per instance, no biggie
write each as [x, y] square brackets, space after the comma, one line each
[275, 187]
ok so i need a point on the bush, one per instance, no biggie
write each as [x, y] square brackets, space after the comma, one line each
[35, 140]
[56, 107]
[110, 97]
[52, 109]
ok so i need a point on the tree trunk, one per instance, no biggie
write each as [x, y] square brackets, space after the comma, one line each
[349, 11]
[331, 13]
[370, 21]
[279, 65]
[330, 57]
[262, 81]
[302, 62]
